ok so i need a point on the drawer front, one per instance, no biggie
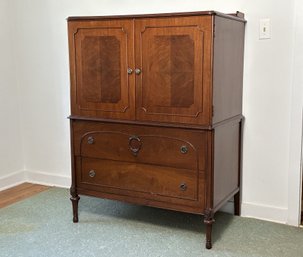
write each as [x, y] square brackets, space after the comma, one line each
[178, 148]
[142, 178]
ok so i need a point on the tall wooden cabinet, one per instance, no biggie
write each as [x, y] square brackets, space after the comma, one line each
[156, 110]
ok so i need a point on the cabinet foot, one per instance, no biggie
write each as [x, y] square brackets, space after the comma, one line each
[75, 200]
[237, 209]
[208, 221]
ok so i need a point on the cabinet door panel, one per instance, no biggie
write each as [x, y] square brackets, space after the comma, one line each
[101, 86]
[174, 56]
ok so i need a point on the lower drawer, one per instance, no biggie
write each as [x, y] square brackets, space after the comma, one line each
[136, 179]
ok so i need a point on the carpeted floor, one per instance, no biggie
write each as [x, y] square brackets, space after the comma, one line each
[42, 226]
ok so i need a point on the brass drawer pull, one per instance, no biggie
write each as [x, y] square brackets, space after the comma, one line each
[183, 187]
[92, 173]
[183, 149]
[90, 140]
[134, 144]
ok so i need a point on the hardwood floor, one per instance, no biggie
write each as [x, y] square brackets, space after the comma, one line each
[20, 192]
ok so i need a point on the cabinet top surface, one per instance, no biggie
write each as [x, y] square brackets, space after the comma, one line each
[235, 16]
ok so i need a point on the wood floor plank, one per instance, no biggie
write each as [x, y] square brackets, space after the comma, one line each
[20, 192]
[15, 190]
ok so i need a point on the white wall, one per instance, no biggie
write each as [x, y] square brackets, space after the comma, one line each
[295, 156]
[11, 162]
[42, 57]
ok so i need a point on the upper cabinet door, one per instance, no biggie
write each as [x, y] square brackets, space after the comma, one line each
[100, 54]
[173, 81]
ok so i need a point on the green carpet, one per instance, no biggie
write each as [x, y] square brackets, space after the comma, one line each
[42, 226]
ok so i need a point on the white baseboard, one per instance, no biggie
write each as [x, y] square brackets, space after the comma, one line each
[48, 179]
[257, 211]
[12, 180]
[34, 177]
[264, 212]
[252, 210]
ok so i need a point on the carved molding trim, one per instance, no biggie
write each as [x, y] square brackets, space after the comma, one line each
[209, 216]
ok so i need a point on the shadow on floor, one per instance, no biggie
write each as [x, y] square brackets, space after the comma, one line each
[154, 216]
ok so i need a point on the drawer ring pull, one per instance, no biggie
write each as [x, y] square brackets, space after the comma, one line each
[134, 140]
[183, 187]
[92, 173]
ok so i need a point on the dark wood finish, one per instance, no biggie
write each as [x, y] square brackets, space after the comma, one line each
[227, 68]
[226, 154]
[153, 179]
[159, 145]
[175, 56]
[75, 200]
[157, 109]
[239, 16]
[100, 55]
[237, 208]
[20, 192]
[237, 196]
[147, 123]
[142, 200]
[141, 194]
[208, 221]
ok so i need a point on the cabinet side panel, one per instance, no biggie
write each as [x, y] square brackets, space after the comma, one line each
[226, 161]
[227, 68]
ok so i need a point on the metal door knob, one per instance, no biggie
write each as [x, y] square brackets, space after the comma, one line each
[138, 71]
[129, 71]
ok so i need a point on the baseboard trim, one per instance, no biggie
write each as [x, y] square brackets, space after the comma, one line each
[14, 179]
[48, 179]
[257, 211]
[35, 177]
[264, 212]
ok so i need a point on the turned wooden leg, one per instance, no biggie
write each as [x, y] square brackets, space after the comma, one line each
[75, 199]
[237, 204]
[208, 221]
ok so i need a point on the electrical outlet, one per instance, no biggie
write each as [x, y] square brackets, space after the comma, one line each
[265, 29]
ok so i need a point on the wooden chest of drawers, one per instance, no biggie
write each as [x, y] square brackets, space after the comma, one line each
[156, 110]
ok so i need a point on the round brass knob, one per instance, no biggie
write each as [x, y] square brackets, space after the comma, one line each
[183, 187]
[183, 149]
[138, 71]
[90, 140]
[129, 71]
[92, 173]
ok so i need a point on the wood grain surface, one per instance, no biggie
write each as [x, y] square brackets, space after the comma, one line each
[20, 192]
